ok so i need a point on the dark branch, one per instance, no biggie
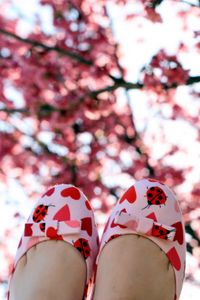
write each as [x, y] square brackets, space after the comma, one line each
[192, 80]
[189, 230]
[47, 48]
[120, 82]
[14, 110]
[46, 109]
[117, 83]
[189, 3]
[155, 3]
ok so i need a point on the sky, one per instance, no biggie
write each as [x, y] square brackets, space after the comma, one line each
[157, 36]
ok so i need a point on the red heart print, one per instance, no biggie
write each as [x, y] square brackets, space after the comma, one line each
[86, 224]
[174, 258]
[87, 204]
[72, 192]
[154, 180]
[179, 232]
[123, 210]
[52, 234]
[152, 216]
[73, 223]
[62, 214]
[129, 195]
[49, 192]
[27, 230]
[113, 224]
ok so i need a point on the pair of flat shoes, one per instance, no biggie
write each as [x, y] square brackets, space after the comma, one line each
[148, 208]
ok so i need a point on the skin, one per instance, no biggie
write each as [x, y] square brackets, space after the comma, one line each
[130, 267]
[50, 270]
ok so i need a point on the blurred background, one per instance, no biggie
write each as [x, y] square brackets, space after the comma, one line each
[99, 94]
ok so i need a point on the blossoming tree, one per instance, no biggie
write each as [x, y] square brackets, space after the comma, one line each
[70, 83]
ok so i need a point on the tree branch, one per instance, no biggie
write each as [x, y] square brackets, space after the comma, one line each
[14, 110]
[155, 3]
[46, 109]
[193, 79]
[118, 82]
[35, 43]
[189, 3]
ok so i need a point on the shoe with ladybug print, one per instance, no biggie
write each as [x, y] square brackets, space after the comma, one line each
[62, 213]
[150, 208]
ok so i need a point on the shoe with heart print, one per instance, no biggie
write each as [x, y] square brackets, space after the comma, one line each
[150, 208]
[62, 213]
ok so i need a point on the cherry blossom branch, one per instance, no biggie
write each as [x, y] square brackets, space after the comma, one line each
[70, 164]
[119, 82]
[35, 43]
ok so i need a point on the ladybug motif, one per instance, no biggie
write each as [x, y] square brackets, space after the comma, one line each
[155, 196]
[83, 247]
[40, 212]
[42, 227]
[161, 232]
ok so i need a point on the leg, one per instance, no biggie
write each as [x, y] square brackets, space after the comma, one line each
[49, 270]
[132, 267]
